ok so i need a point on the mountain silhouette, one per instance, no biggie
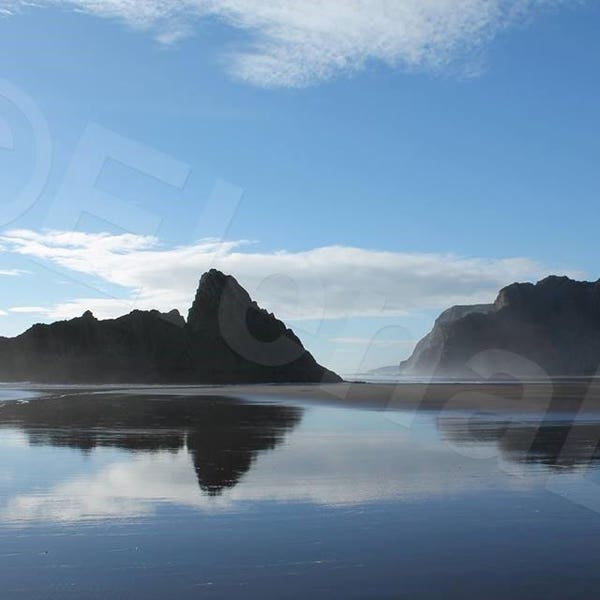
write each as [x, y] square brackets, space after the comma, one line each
[550, 328]
[227, 338]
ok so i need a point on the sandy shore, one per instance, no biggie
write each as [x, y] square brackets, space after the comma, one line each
[578, 395]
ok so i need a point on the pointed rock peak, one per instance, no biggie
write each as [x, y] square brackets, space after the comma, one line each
[88, 315]
[214, 282]
[213, 286]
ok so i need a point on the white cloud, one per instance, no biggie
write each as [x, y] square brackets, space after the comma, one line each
[326, 282]
[28, 310]
[297, 43]
[12, 272]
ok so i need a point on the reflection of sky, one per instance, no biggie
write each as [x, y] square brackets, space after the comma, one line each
[350, 505]
[7, 394]
[335, 458]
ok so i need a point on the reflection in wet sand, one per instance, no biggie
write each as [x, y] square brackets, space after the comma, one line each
[221, 435]
[172, 444]
[213, 442]
[555, 442]
[101, 490]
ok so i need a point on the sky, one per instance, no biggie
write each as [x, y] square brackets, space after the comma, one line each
[358, 166]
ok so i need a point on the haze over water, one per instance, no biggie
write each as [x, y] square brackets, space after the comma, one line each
[161, 496]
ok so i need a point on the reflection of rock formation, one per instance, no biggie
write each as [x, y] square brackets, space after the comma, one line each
[557, 443]
[223, 436]
[224, 442]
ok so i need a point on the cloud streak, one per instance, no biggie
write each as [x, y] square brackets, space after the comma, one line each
[12, 272]
[321, 283]
[295, 44]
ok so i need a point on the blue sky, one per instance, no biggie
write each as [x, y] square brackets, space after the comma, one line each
[366, 164]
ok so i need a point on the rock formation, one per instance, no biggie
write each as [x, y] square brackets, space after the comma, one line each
[227, 338]
[552, 327]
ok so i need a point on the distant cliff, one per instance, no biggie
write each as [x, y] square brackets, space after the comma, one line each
[227, 338]
[552, 327]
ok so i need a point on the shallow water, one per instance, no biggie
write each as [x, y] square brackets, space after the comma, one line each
[148, 496]
[11, 394]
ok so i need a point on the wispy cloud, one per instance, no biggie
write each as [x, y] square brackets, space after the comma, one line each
[326, 282]
[12, 272]
[28, 310]
[297, 43]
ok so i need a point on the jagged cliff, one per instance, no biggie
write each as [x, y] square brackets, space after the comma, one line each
[551, 327]
[429, 350]
[227, 338]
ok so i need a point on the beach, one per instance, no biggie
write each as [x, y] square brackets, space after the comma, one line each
[569, 395]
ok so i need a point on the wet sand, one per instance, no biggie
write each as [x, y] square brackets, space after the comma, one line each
[561, 395]
[179, 492]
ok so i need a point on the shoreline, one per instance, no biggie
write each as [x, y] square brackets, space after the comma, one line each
[561, 395]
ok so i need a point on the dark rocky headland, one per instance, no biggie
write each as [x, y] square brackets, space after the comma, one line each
[227, 338]
[550, 328]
